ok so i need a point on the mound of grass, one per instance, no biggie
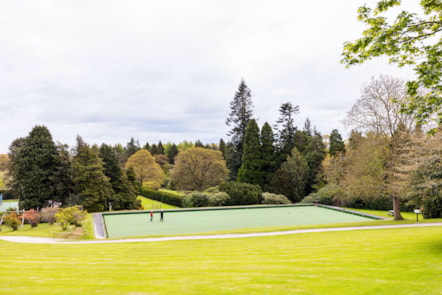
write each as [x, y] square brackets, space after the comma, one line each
[388, 261]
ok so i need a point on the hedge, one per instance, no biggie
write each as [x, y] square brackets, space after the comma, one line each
[163, 196]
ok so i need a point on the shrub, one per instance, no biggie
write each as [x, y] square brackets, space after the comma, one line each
[219, 199]
[200, 199]
[270, 198]
[11, 220]
[48, 214]
[326, 195]
[70, 215]
[170, 198]
[32, 217]
[242, 193]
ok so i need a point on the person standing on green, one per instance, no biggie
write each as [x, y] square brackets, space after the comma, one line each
[161, 215]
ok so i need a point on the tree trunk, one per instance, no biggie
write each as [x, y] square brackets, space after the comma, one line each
[397, 208]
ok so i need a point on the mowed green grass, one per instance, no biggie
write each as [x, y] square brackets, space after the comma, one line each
[386, 261]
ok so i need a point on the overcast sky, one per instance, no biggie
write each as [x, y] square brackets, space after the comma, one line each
[167, 70]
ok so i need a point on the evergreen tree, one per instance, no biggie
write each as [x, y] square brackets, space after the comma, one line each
[222, 147]
[251, 167]
[132, 147]
[125, 196]
[172, 152]
[336, 144]
[160, 148]
[286, 128]
[268, 153]
[314, 154]
[198, 143]
[63, 175]
[34, 168]
[154, 150]
[241, 111]
[290, 179]
[92, 186]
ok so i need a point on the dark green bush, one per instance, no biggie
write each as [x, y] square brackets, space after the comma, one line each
[433, 207]
[170, 198]
[241, 193]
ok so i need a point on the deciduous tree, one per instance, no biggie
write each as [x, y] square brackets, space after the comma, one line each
[410, 39]
[378, 108]
[199, 169]
[145, 168]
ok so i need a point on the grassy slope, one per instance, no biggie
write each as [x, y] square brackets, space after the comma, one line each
[152, 204]
[389, 261]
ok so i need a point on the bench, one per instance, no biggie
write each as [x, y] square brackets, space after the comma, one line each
[391, 212]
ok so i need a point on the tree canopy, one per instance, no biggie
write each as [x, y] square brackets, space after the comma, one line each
[198, 169]
[411, 39]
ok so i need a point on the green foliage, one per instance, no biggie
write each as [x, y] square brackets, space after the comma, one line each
[410, 39]
[336, 144]
[91, 184]
[251, 167]
[241, 111]
[291, 178]
[70, 216]
[33, 166]
[196, 199]
[327, 195]
[269, 198]
[125, 196]
[168, 197]
[218, 199]
[241, 193]
[198, 169]
[11, 220]
[268, 153]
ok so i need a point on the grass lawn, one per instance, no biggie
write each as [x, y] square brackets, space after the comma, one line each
[152, 204]
[388, 261]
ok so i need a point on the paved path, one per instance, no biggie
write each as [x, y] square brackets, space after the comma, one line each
[38, 240]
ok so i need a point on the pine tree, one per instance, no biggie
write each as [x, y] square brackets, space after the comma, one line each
[241, 112]
[286, 128]
[336, 144]
[251, 167]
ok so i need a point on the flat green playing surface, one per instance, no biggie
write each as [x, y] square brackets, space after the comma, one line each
[191, 222]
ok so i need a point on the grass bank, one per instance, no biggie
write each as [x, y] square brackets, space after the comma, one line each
[388, 261]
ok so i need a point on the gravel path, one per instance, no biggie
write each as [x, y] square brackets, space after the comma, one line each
[38, 240]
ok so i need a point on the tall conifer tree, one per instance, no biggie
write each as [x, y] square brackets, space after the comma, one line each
[34, 167]
[241, 111]
[251, 167]
[268, 152]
